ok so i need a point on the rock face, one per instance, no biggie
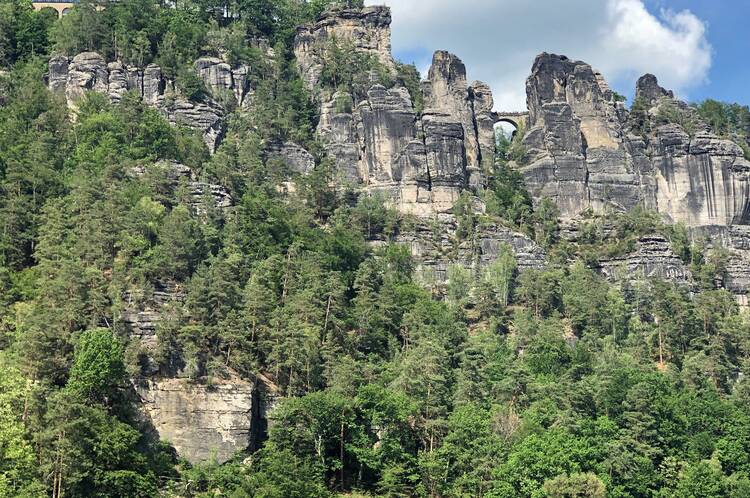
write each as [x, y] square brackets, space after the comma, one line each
[575, 140]
[420, 162]
[142, 316]
[583, 154]
[435, 252]
[202, 422]
[177, 174]
[296, 158]
[648, 89]
[222, 79]
[368, 30]
[88, 71]
[652, 259]
[447, 96]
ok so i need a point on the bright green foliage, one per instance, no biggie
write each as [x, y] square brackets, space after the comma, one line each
[98, 367]
[23, 31]
[502, 381]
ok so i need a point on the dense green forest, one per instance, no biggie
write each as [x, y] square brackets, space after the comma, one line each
[547, 383]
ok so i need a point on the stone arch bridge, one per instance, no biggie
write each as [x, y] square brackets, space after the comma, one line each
[62, 7]
[517, 119]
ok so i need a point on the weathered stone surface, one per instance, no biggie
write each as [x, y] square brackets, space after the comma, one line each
[118, 81]
[219, 77]
[142, 314]
[575, 140]
[57, 78]
[206, 116]
[153, 84]
[178, 174]
[648, 89]
[435, 252]
[368, 30]
[652, 259]
[484, 122]
[296, 158]
[581, 154]
[88, 71]
[447, 93]
[202, 422]
[386, 124]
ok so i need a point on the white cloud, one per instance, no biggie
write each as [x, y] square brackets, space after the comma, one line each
[498, 40]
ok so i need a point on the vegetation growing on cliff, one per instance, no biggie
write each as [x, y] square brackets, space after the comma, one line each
[547, 382]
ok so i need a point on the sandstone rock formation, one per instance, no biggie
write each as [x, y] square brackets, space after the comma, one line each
[653, 258]
[294, 157]
[177, 175]
[142, 314]
[420, 162]
[584, 155]
[435, 251]
[577, 155]
[88, 71]
[221, 78]
[368, 30]
[202, 422]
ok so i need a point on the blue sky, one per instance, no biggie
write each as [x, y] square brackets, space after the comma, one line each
[698, 48]
[727, 22]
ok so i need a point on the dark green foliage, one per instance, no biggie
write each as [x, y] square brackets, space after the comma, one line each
[23, 31]
[506, 381]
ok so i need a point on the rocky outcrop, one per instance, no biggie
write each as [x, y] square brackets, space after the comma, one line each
[222, 79]
[88, 71]
[207, 115]
[378, 142]
[368, 30]
[435, 251]
[177, 175]
[203, 422]
[447, 95]
[294, 157]
[583, 154]
[737, 275]
[142, 314]
[577, 155]
[648, 90]
[653, 258]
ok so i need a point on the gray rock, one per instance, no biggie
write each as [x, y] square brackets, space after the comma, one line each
[647, 88]
[367, 29]
[178, 174]
[447, 93]
[434, 251]
[118, 81]
[652, 259]
[206, 116]
[87, 71]
[220, 78]
[296, 158]
[153, 84]
[57, 78]
[581, 154]
[202, 422]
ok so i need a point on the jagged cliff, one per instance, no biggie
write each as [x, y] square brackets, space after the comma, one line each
[584, 153]
[421, 162]
[583, 150]
[88, 71]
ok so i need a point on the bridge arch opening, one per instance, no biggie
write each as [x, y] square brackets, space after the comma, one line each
[505, 129]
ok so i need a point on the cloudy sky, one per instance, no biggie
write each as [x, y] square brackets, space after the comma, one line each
[696, 47]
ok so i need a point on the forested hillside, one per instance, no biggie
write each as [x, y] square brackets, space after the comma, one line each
[387, 352]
